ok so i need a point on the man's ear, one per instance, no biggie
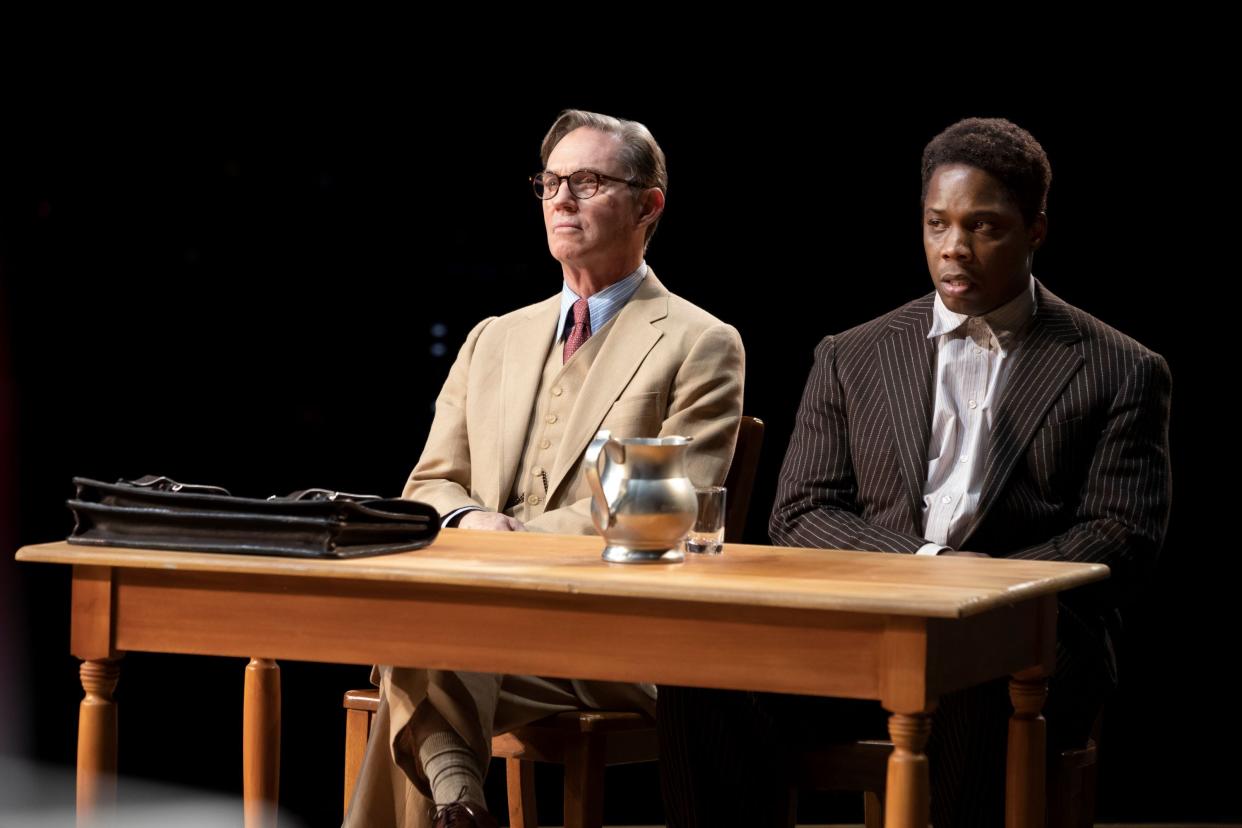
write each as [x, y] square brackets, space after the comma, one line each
[1038, 231]
[650, 205]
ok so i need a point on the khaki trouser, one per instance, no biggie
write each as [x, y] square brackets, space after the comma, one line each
[392, 789]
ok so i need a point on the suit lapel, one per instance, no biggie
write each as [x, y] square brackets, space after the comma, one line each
[632, 337]
[1043, 364]
[907, 361]
[526, 352]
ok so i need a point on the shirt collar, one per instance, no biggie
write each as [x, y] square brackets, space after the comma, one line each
[602, 306]
[1002, 324]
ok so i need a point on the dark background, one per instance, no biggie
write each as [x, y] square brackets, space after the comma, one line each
[241, 281]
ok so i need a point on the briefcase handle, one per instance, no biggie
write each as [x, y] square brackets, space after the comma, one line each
[167, 484]
[324, 494]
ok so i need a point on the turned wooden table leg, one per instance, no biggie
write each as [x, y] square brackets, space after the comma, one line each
[261, 743]
[908, 800]
[1026, 764]
[97, 739]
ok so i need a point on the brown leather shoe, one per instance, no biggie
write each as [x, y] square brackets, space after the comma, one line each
[463, 815]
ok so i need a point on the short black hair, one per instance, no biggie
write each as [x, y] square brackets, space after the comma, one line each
[1001, 149]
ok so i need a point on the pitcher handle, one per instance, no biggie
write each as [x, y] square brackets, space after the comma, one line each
[590, 465]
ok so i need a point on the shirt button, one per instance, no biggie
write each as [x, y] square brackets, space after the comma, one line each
[537, 470]
[543, 444]
[963, 458]
[551, 418]
[972, 404]
[556, 392]
[945, 499]
[533, 500]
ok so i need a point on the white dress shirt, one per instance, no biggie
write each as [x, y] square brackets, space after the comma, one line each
[972, 355]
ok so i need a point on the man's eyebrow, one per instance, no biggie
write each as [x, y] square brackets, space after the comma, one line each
[580, 169]
[982, 211]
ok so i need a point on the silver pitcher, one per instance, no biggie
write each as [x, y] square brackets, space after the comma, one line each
[643, 503]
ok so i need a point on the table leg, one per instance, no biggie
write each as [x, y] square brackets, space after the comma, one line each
[97, 739]
[908, 800]
[261, 743]
[1024, 779]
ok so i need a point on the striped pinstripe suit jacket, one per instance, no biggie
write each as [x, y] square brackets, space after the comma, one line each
[1077, 467]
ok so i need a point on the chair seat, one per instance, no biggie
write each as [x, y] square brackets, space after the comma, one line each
[367, 700]
[618, 737]
[572, 721]
[594, 721]
[850, 766]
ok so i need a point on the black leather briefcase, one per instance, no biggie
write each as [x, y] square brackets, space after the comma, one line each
[159, 513]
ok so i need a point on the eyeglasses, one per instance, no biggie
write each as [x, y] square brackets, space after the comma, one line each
[583, 183]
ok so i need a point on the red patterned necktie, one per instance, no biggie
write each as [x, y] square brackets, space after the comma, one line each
[581, 330]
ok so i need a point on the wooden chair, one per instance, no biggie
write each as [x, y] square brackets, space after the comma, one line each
[863, 766]
[586, 741]
[740, 481]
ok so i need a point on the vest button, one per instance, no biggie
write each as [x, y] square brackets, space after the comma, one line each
[537, 470]
[533, 500]
[543, 444]
[551, 418]
[556, 392]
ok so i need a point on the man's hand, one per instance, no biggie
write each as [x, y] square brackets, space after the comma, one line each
[492, 521]
[961, 553]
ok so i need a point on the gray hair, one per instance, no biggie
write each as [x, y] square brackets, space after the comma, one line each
[640, 155]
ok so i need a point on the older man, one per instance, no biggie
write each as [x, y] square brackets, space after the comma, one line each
[990, 416]
[527, 393]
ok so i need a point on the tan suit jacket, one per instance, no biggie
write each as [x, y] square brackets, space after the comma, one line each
[666, 367]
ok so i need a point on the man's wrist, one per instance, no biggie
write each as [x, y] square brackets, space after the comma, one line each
[454, 517]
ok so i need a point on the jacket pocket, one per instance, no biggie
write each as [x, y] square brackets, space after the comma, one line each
[636, 415]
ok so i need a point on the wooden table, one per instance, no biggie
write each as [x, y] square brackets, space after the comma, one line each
[898, 628]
